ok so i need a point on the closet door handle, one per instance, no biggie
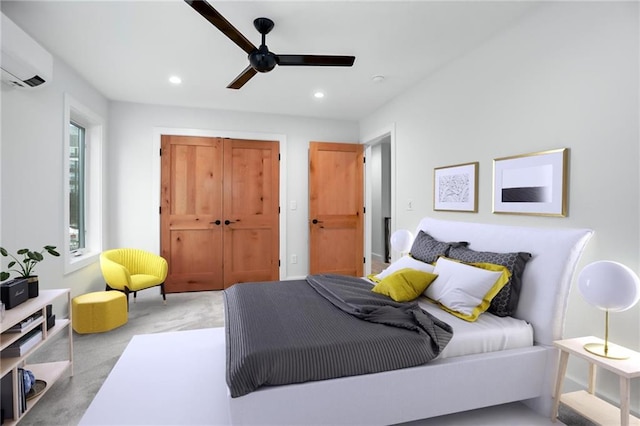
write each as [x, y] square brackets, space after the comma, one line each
[315, 221]
[227, 222]
[217, 222]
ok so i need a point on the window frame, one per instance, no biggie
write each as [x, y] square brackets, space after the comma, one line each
[94, 126]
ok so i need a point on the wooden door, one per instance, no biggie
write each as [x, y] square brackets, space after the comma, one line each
[219, 212]
[251, 211]
[191, 212]
[336, 208]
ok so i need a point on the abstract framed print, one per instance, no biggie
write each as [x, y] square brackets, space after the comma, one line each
[533, 184]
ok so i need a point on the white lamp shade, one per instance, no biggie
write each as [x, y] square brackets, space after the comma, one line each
[401, 240]
[609, 285]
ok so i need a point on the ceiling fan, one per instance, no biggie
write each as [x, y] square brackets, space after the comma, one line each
[261, 59]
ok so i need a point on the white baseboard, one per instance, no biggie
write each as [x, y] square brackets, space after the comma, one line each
[294, 277]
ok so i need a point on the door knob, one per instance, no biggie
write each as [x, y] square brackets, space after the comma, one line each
[314, 221]
[217, 222]
[227, 222]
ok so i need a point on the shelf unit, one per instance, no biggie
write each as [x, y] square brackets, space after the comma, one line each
[50, 372]
[586, 402]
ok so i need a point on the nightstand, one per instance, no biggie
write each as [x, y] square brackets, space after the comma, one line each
[585, 402]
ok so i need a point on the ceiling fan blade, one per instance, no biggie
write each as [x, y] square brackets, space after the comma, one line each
[242, 78]
[210, 14]
[316, 60]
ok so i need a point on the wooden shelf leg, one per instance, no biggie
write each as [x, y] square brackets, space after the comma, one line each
[70, 334]
[592, 378]
[624, 400]
[562, 370]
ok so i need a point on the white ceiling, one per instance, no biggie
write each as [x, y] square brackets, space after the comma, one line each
[127, 49]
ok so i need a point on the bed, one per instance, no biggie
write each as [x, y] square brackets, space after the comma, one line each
[458, 380]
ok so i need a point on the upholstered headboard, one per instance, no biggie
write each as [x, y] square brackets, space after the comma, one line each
[548, 274]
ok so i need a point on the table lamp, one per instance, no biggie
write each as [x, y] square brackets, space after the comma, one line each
[610, 286]
[401, 241]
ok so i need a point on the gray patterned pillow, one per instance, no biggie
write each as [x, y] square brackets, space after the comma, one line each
[427, 249]
[506, 301]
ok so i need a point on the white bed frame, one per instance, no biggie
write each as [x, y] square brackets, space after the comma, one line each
[453, 384]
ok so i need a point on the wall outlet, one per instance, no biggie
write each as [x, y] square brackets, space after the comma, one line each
[294, 258]
[410, 205]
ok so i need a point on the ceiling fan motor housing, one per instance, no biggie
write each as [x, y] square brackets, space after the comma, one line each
[262, 60]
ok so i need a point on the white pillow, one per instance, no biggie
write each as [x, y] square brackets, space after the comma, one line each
[465, 290]
[402, 263]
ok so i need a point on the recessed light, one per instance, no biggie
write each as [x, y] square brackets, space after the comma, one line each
[318, 95]
[174, 79]
[378, 78]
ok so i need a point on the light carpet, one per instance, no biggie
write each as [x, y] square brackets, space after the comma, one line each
[96, 354]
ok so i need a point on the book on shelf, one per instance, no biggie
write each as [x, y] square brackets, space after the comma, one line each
[22, 345]
[22, 325]
[22, 398]
[6, 395]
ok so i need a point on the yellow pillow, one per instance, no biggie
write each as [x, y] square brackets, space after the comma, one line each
[404, 285]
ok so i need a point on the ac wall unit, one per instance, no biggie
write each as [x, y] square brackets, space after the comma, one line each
[24, 63]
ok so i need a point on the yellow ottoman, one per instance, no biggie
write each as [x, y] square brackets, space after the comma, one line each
[99, 311]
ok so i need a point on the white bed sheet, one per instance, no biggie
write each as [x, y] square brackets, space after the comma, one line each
[488, 333]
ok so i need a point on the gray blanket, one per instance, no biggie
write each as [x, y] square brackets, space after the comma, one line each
[325, 327]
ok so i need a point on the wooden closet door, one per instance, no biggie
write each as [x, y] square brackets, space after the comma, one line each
[191, 212]
[336, 208]
[251, 211]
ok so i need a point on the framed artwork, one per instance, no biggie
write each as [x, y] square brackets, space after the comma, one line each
[533, 184]
[455, 188]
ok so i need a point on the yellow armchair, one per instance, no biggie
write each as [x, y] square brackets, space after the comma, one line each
[131, 270]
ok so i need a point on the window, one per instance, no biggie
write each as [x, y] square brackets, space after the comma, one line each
[77, 220]
[83, 185]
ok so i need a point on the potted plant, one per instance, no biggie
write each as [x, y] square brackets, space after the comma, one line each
[24, 267]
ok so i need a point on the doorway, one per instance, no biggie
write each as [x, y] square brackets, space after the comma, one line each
[219, 211]
[336, 208]
[380, 204]
[155, 184]
[380, 198]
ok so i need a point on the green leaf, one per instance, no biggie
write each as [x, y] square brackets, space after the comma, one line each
[52, 252]
[35, 256]
[3, 251]
[23, 251]
[11, 264]
[4, 276]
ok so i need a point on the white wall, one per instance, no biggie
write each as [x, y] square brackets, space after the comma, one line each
[566, 76]
[134, 167]
[32, 189]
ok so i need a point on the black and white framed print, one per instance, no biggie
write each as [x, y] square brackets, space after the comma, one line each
[534, 184]
[455, 188]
